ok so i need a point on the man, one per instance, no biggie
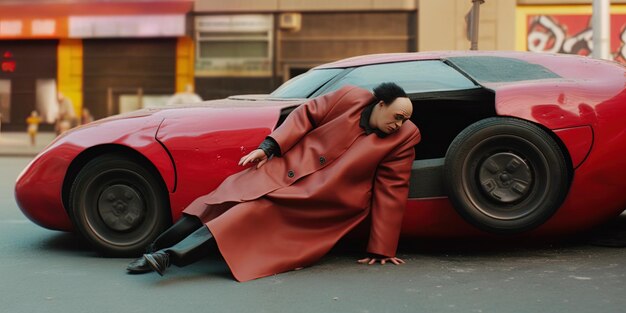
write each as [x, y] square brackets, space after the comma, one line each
[335, 160]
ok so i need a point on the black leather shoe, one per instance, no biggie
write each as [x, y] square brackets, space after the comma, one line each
[158, 261]
[138, 266]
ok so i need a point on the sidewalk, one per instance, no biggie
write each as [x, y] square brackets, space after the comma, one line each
[18, 143]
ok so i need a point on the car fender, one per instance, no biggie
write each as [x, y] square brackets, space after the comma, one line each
[40, 188]
[586, 117]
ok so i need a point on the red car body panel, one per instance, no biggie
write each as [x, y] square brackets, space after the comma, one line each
[207, 141]
[204, 162]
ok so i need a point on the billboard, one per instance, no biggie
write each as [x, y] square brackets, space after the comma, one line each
[567, 29]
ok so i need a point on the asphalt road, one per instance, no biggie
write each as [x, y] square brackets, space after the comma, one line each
[48, 271]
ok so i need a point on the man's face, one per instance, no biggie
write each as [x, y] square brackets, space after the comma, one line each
[391, 117]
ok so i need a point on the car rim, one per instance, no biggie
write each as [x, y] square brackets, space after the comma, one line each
[503, 184]
[505, 177]
[117, 207]
[121, 207]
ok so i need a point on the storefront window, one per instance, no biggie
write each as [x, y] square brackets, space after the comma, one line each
[233, 49]
[234, 45]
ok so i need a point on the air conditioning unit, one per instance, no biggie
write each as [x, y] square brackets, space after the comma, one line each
[290, 21]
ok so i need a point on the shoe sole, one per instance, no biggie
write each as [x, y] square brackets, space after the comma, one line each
[153, 263]
[138, 271]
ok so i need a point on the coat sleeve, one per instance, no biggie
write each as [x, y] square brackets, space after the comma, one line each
[305, 118]
[390, 192]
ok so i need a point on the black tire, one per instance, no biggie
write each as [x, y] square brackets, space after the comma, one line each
[118, 205]
[505, 175]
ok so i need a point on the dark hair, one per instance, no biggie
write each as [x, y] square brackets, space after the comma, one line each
[388, 92]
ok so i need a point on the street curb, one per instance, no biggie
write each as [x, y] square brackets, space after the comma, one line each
[18, 154]
[17, 144]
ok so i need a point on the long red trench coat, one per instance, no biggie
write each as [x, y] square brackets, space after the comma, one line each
[331, 175]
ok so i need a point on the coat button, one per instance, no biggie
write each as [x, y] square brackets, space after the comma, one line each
[322, 160]
[291, 174]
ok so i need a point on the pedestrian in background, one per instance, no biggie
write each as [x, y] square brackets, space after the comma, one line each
[86, 117]
[185, 97]
[33, 121]
[66, 115]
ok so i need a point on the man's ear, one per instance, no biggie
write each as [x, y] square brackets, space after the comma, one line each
[381, 103]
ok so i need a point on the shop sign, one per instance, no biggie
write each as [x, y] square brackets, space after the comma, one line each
[11, 27]
[27, 28]
[167, 25]
[7, 65]
[234, 23]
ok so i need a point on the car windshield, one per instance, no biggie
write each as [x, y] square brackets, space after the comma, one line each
[413, 76]
[302, 86]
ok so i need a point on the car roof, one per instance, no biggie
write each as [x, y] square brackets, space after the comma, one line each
[437, 55]
[565, 66]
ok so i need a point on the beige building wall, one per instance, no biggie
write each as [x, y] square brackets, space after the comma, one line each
[552, 2]
[442, 26]
[257, 6]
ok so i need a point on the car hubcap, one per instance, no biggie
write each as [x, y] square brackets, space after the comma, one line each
[121, 207]
[505, 177]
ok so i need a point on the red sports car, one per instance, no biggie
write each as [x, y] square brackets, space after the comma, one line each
[512, 143]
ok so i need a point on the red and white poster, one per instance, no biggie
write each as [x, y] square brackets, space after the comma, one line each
[567, 29]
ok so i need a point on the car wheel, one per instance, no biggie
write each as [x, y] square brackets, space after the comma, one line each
[118, 205]
[505, 175]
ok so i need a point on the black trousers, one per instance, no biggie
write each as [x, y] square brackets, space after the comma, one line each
[187, 241]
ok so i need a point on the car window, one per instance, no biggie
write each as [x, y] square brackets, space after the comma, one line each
[414, 77]
[492, 69]
[303, 85]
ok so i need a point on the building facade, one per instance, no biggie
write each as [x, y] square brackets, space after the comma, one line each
[301, 34]
[119, 55]
[254, 46]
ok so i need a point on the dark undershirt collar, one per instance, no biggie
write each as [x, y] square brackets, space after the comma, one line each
[365, 121]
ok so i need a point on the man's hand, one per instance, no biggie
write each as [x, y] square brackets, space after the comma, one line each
[370, 261]
[253, 157]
